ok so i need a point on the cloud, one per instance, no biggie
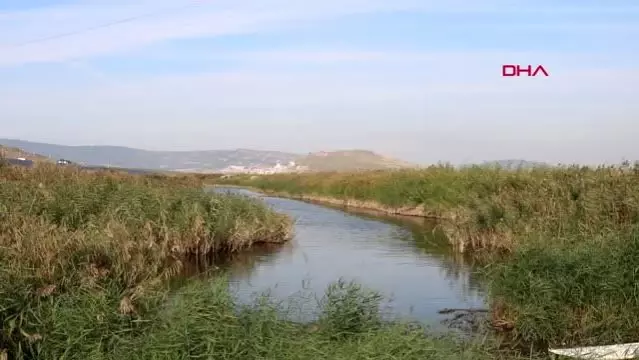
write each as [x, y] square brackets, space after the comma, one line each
[129, 35]
[298, 78]
[445, 68]
[149, 25]
[422, 78]
[75, 31]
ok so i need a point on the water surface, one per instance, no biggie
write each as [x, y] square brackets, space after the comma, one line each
[404, 259]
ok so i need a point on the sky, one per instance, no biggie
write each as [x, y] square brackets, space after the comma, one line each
[420, 80]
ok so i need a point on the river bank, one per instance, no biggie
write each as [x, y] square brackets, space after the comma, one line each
[416, 211]
[86, 258]
[491, 209]
[559, 239]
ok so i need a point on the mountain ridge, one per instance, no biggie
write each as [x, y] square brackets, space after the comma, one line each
[219, 160]
[206, 160]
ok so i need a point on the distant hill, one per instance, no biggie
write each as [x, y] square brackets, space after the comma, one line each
[16, 153]
[216, 160]
[349, 160]
[124, 157]
[204, 161]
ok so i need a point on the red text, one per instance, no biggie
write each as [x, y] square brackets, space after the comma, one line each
[516, 70]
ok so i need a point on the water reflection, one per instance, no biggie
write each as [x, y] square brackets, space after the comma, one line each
[406, 259]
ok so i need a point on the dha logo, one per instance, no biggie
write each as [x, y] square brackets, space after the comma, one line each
[516, 70]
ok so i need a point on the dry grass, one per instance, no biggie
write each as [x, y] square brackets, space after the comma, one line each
[137, 222]
[63, 230]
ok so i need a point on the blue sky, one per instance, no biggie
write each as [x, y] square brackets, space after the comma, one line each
[416, 79]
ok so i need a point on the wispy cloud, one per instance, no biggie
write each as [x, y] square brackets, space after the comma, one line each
[154, 23]
[79, 30]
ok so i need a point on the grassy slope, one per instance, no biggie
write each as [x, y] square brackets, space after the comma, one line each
[568, 237]
[13, 152]
[350, 160]
[85, 257]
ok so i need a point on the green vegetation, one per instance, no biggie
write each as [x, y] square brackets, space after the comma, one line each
[84, 267]
[580, 294]
[200, 321]
[488, 208]
[562, 244]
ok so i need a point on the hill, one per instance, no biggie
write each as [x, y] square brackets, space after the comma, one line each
[350, 160]
[201, 161]
[216, 160]
[125, 157]
[16, 153]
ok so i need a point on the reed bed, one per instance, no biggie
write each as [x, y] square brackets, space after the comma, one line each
[67, 231]
[201, 321]
[85, 257]
[561, 244]
[579, 295]
[482, 208]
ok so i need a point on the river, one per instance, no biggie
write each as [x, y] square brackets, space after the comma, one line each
[402, 258]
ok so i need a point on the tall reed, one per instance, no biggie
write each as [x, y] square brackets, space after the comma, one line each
[84, 256]
[67, 231]
[485, 208]
[561, 242]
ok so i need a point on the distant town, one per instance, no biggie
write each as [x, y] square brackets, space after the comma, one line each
[277, 168]
[231, 169]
